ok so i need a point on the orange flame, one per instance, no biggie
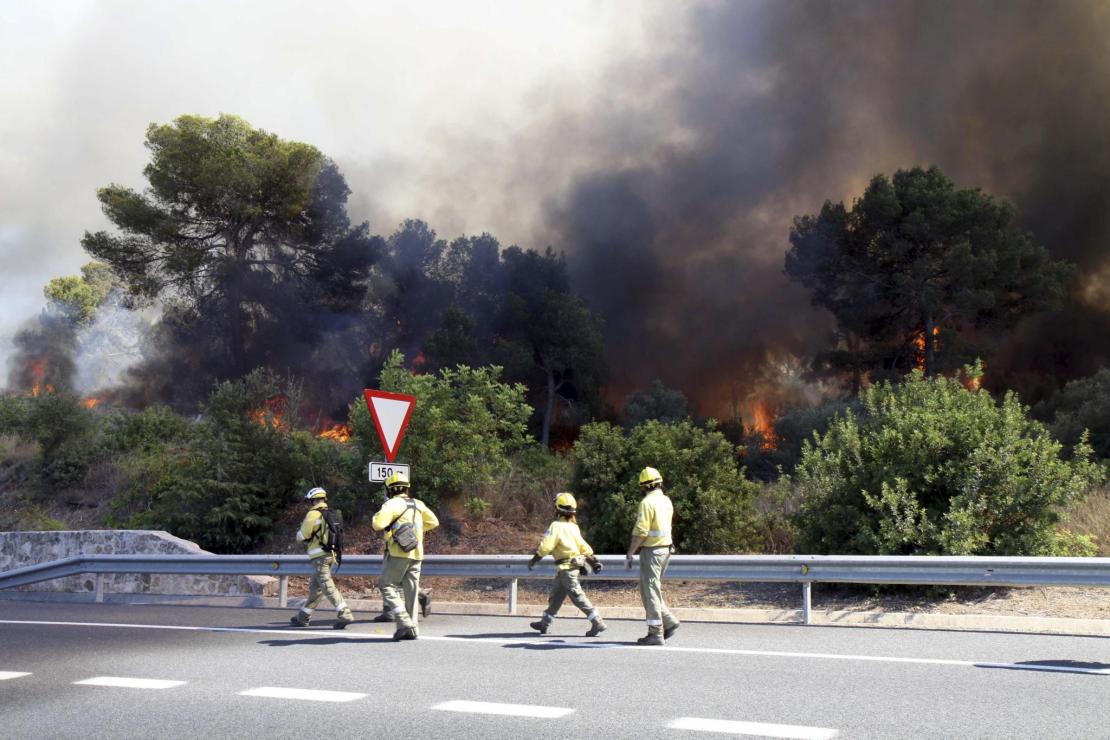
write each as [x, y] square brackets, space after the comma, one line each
[38, 372]
[763, 424]
[91, 403]
[271, 414]
[337, 433]
[919, 345]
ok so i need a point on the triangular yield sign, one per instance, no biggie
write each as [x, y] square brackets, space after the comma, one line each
[391, 413]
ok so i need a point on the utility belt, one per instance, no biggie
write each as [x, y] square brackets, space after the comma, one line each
[577, 562]
[657, 547]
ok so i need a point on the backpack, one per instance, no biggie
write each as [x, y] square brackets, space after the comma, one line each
[404, 534]
[332, 537]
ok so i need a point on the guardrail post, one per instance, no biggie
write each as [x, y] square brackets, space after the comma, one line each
[283, 591]
[99, 598]
[807, 592]
[512, 596]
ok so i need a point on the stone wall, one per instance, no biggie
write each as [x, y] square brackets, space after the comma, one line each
[19, 549]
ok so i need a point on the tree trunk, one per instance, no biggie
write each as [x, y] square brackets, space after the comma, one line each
[549, 408]
[930, 327]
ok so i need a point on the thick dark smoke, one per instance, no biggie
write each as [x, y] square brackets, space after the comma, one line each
[748, 114]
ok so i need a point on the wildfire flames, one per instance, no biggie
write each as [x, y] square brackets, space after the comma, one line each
[763, 424]
[337, 433]
[38, 372]
[91, 403]
[272, 413]
[919, 345]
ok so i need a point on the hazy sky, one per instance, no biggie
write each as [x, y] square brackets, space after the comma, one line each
[413, 100]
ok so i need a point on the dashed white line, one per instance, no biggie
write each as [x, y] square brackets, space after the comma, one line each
[5, 675]
[277, 692]
[510, 710]
[129, 683]
[759, 729]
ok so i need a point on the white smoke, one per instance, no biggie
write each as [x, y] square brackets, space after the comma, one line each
[110, 345]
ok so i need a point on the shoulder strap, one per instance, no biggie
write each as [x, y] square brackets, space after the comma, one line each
[410, 504]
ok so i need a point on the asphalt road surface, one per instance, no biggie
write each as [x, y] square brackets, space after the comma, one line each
[108, 671]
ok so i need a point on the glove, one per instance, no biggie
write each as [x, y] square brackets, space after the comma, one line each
[595, 565]
[628, 562]
[532, 563]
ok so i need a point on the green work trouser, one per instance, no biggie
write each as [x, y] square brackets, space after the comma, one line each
[566, 584]
[322, 585]
[400, 575]
[653, 564]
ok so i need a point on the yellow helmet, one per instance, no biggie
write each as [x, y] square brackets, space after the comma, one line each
[316, 494]
[650, 478]
[398, 482]
[565, 503]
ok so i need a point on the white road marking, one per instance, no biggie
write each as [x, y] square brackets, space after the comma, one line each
[5, 675]
[510, 710]
[129, 683]
[363, 636]
[275, 692]
[759, 729]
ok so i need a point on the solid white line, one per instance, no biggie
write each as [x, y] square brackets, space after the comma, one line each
[5, 675]
[129, 683]
[510, 710]
[760, 729]
[275, 692]
[362, 636]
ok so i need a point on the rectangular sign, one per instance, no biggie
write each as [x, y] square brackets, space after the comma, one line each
[380, 471]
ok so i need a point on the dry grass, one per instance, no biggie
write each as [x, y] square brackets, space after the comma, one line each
[1092, 517]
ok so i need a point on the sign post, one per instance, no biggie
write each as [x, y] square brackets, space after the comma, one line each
[391, 412]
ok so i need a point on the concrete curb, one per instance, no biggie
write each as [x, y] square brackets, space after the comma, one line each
[828, 618]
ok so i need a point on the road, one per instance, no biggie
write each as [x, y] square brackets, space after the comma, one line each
[244, 672]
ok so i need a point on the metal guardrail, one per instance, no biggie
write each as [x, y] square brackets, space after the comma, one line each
[801, 569]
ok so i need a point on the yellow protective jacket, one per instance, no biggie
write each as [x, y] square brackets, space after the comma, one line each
[398, 509]
[313, 532]
[563, 541]
[653, 523]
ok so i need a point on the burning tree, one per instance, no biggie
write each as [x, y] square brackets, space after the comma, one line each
[914, 254]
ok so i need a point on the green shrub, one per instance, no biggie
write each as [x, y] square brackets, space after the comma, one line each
[66, 432]
[477, 506]
[462, 432]
[712, 500]
[930, 467]
[1082, 406]
[221, 481]
[340, 469]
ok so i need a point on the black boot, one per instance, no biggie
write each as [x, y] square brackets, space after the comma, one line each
[404, 633]
[540, 626]
[597, 627]
[425, 599]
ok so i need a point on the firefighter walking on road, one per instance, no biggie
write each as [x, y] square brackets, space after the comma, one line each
[563, 540]
[651, 536]
[315, 535]
[404, 520]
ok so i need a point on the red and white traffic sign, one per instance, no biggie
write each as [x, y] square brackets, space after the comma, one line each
[391, 413]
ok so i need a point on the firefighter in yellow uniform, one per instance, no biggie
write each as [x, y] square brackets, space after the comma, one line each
[404, 552]
[314, 534]
[651, 535]
[572, 553]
